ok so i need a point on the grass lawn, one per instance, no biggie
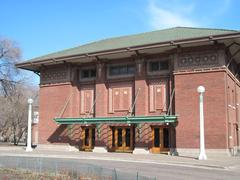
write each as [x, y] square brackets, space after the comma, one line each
[16, 174]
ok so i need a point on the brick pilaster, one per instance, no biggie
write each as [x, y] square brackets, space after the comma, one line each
[101, 91]
[141, 88]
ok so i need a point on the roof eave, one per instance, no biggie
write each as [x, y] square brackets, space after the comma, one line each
[24, 65]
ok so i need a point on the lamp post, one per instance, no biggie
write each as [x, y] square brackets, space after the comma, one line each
[202, 155]
[29, 136]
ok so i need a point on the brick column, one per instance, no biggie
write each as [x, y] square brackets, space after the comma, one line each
[101, 92]
[75, 98]
[101, 106]
[141, 106]
[141, 88]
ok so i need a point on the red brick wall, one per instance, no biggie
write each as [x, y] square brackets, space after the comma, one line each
[187, 107]
[238, 114]
[232, 101]
[220, 120]
[52, 100]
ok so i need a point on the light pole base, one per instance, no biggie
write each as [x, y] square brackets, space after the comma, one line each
[29, 149]
[202, 156]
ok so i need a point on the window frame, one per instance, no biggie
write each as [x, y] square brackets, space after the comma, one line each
[158, 72]
[89, 68]
[120, 75]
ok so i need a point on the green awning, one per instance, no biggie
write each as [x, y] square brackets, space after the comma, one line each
[123, 119]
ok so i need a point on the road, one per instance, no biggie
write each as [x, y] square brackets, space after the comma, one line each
[161, 171]
[170, 171]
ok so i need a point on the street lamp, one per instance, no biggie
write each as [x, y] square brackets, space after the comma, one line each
[202, 155]
[29, 136]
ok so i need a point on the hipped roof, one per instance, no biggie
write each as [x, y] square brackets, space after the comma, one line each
[171, 35]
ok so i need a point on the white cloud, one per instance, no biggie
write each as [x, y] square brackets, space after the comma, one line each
[163, 18]
[195, 13]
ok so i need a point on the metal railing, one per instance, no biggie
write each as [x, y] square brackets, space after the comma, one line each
[73, 168]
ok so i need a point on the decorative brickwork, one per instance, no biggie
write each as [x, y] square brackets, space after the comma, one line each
[119, 97]
[157, 96]
[197, 60]
[55, 75]
[87, 101]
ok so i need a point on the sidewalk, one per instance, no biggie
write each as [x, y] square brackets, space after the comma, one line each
[221, 162]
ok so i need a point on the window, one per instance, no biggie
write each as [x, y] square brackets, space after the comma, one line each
[122, 70]
[88, 73]
[158, 66]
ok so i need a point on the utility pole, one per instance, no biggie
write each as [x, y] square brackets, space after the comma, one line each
[202, 155]
[29, 136]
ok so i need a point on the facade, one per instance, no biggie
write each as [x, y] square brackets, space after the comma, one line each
[139, 93]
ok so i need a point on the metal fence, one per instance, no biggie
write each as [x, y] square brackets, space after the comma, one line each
[74, 169]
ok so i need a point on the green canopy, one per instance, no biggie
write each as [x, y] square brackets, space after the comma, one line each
[122, 119]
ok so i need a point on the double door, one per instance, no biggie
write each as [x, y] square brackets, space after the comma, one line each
[88, 138]
[160, 139]
[122, 139]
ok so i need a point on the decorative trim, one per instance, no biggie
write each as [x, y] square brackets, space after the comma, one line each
[197, 60]
[99, 70]
[139, 66]
[152, 96]
[110, 101]
[200, 70]
[151, 99]
[111, 96]
[82, 100]
[57, 84]
[55, 75]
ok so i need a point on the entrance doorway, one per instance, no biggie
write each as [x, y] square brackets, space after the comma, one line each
[160, 139]
[122, 139]
[88, 138]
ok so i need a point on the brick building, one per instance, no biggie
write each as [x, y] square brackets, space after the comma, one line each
[138, 93]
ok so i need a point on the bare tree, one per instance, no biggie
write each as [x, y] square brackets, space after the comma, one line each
[13, 93]
[10, 53]
[14, 112]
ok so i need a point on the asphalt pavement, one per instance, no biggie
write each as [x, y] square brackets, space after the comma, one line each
[157, 165]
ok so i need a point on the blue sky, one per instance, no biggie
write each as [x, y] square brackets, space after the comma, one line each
[45, 26]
